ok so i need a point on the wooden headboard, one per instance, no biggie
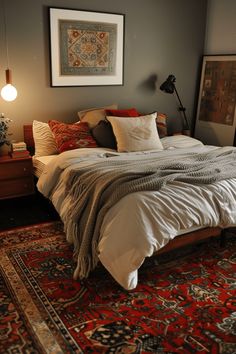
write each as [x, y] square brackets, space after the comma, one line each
[28, 137]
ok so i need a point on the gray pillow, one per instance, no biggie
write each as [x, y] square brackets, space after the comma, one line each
[104, 136]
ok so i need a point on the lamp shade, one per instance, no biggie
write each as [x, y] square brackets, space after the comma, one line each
[169, 85]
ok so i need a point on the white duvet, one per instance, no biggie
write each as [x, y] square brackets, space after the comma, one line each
[142, 223]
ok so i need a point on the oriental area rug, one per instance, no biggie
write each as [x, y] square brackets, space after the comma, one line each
[185, 301]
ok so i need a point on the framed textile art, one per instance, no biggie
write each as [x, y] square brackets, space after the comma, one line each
[86, 48]
[217, 100]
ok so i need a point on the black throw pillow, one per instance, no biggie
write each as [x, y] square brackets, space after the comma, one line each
[104, 136]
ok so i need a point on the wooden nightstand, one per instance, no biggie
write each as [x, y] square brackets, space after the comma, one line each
[16, 177]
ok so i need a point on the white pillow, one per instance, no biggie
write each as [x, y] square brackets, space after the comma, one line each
[180, 141]
[44, 141]
[93, 115]
[136, 133]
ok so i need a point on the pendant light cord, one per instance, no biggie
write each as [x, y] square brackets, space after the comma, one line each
[5, 33]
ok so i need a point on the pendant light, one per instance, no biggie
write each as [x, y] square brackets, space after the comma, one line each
[8, 92]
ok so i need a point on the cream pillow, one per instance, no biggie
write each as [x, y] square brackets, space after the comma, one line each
[136, 134]
[44, 141]
[93, 115]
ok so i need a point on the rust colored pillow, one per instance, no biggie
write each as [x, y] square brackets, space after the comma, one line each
[71, 136]
[161, 124]
[130, 112]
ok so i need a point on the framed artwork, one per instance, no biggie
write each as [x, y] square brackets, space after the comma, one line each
[86, 47]
[217, 98]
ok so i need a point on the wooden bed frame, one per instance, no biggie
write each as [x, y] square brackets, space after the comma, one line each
[189, 238]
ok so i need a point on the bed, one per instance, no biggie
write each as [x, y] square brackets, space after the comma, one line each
[138, 224]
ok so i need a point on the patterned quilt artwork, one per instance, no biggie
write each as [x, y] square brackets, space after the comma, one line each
[184, 303]
[87, 48]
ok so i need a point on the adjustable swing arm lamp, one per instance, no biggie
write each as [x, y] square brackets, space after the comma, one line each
[169, 87]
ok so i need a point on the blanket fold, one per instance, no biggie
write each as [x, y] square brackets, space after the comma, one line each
[95, 189]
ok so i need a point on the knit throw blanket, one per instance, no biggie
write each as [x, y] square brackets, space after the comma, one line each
[97, 188]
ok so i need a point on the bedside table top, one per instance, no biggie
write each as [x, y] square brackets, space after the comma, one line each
[8, 158]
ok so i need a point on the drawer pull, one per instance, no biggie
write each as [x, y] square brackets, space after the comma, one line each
[24, 169]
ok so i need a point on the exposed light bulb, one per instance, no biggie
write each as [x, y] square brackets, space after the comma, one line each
[9, 92]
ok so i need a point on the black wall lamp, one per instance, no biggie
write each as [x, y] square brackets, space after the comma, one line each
[169, 87]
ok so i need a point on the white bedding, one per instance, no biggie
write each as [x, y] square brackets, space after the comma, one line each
[142, 223]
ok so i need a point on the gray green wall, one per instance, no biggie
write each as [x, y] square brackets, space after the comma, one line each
[162, 37]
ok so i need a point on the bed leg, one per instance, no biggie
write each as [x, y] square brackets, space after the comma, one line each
[223, 238]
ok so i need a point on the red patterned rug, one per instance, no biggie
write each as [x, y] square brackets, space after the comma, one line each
[185, 302]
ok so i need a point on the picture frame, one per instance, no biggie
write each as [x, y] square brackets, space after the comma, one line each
[86, 47]
[216, 109]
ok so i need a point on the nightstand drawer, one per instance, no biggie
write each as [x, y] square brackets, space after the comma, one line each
[17, 169]
[16, 187]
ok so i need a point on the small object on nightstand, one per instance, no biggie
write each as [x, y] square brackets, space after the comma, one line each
[19, 149]
[19, 154]
[186, 132]
[183, 132]
[18, 146]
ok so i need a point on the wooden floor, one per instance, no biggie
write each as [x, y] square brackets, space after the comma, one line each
[25, 211]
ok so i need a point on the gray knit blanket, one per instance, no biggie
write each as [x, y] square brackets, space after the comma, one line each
[95, 189]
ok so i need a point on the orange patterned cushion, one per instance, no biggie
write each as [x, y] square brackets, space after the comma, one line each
[161, 124]
[71, 136]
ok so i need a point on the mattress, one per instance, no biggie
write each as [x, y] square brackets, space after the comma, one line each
[40, 162]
